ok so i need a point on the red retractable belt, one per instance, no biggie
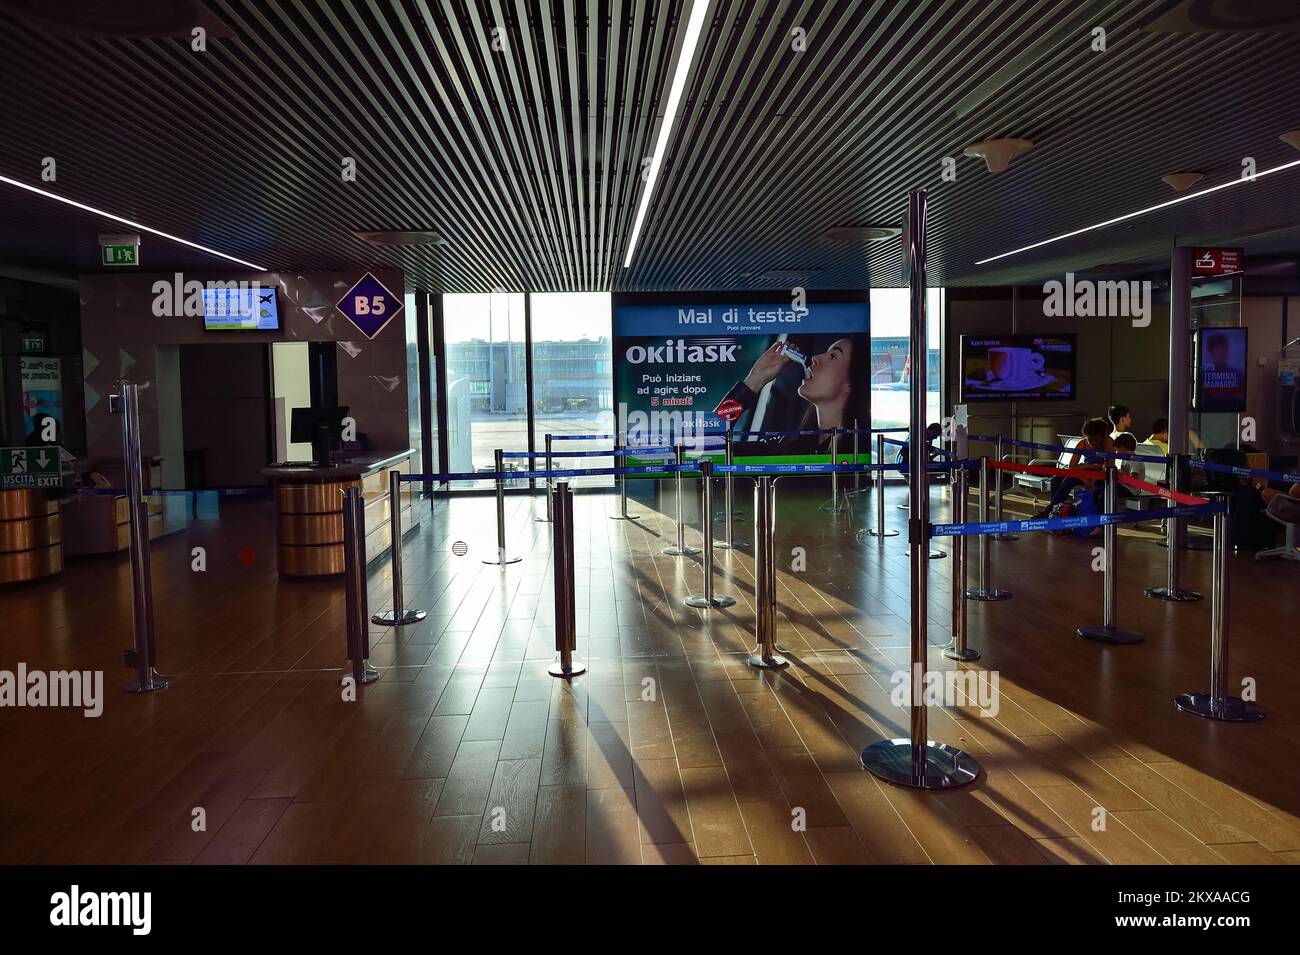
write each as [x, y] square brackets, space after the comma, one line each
[1043, 470]
[1086, 474]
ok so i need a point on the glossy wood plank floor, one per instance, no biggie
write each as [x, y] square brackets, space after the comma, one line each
[670, 750]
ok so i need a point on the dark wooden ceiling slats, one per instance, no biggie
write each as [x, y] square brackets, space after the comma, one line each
[529, 159]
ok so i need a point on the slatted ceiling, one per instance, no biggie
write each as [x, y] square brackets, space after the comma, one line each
[529, 160]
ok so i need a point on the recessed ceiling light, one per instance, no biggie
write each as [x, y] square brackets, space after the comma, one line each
[134, 225]
[1182, 181]
[998, 153]
[862, 233]
[403, 237]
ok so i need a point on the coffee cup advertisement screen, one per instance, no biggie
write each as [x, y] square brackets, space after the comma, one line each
[1220, 370]
[1018, 367]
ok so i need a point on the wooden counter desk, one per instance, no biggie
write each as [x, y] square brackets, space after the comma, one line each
[31, 535]
[309, 504]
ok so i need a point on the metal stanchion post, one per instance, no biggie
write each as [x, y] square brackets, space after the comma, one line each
[708, 599]
[957, 649]
[984, 591]
[501, 558]
[918, 761]
[857, 475]
[354, 586]
[765, 656]
[1218, 704]
[1171, 590]
[997, 499]
[680, 549]
[143, 655]
[550, 488]
[879, 529]
[1109, 632]
[835, 475]
[566, 628]
[398, 616]
[728, 501]
[619, 461]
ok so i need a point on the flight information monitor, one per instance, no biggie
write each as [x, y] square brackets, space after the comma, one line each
[239, 307]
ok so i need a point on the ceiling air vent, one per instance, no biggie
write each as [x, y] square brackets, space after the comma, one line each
[403, 237]
[862, 233]
[1228, 16]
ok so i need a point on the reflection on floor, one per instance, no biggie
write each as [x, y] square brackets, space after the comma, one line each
[670, 749]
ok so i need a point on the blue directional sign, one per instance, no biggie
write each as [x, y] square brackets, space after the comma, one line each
[369, 305]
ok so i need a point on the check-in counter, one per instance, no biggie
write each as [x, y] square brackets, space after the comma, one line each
[31, 535]
[309, 511]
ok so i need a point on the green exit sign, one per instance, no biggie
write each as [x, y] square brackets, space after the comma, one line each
[119, 255]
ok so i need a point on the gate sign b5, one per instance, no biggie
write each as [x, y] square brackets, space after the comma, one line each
[369, 305]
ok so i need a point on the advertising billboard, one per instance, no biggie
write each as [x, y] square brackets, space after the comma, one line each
[690, 367]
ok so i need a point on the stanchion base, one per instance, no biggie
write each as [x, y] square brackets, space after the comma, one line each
[715, 602]
[502, 561]
[1004, 537]
[774, 662]
[575, 668]
[391, 618]
[988, 593]
[937, 554]
[1230, 709]
[966, 656]
[836, 507]
[1103, 634]
[1164, 593]
[872, 532]
[946, 767]
[733, 545]
[687, 551]
[625, 517]
[154, 683]
[367, 676]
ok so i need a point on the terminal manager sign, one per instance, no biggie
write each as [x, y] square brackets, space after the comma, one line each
[689, 368]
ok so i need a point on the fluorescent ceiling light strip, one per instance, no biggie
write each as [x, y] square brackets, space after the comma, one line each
[693, 28]
[1142, 212]
[134, 225]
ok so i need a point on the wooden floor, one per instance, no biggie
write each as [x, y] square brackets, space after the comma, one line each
[670, 750]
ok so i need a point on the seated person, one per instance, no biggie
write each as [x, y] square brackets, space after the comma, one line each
[1096, 437]
[1121, 419]
[1160, 435]
[1127, 444]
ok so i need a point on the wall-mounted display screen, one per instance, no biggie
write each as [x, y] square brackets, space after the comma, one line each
[1220, 378]
[239, 306]
[1018, 367]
